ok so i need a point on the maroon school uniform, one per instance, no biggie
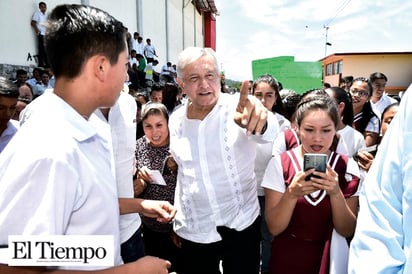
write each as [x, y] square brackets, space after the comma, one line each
[357, 121]
[304, 245]
[291, 138]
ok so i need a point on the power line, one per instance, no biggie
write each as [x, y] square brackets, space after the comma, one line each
[326, 26]
[344, 4]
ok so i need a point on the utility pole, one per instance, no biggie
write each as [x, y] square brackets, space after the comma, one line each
[326, 26]
[326, 39]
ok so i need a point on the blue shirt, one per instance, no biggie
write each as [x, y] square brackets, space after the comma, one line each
[383, 236]
[8, 133]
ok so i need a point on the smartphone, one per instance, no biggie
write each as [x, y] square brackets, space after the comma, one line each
[316, 161]
[371, 149]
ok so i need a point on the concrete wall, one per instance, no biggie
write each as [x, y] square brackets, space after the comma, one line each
[18, 37]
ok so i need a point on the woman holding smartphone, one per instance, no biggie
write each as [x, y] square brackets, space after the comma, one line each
[301, 213]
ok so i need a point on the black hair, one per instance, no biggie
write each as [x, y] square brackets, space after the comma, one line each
[21, 72]
[133, 86]
[365, 80]
[280, 86]
[312, 92]
[37, 70]
[376, 76]
[323, 102]
[138, 104]
[367, 111]
[346, 79]
[8, 88]
[77, 32]
[274, 84]
[387, 108]
[290, 100]
[170, 93]
[341, 96]
[326, 85]
[156, 87]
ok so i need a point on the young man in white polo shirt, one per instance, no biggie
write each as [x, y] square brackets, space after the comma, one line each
[57, 173]
[379, 100]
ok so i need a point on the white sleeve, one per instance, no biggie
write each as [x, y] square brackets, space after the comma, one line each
[373, 125]
[272, 129]
[279, 145]
[352, 169]
[273, 177]
[35, 17]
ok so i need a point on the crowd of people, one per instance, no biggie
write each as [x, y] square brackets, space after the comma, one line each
[143, 61]
[205, 182]
[142, 64]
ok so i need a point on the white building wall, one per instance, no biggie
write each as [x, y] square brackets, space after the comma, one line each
[175, 30]
[154, 26]
[172, 26]
[193, 28]
[397, 68]
[122, 10]
[199, 30]
[17, 36]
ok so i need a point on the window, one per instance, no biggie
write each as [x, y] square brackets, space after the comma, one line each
[339, 67]
[335, 68]
[329, 69]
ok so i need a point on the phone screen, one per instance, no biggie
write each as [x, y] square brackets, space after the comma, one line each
[316, 161]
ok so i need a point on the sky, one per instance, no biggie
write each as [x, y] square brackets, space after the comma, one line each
[249, 30]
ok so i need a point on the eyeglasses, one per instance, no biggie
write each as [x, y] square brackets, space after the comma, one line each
[361, 93]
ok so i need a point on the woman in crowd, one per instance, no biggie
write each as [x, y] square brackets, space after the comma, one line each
[387, 115]
[302, 213]
[289, 138]
[157, 180]
[352, 139]
[365, 120]
[266, 89]
[365, 158]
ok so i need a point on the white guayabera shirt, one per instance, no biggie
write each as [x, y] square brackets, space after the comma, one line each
[216, 184]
